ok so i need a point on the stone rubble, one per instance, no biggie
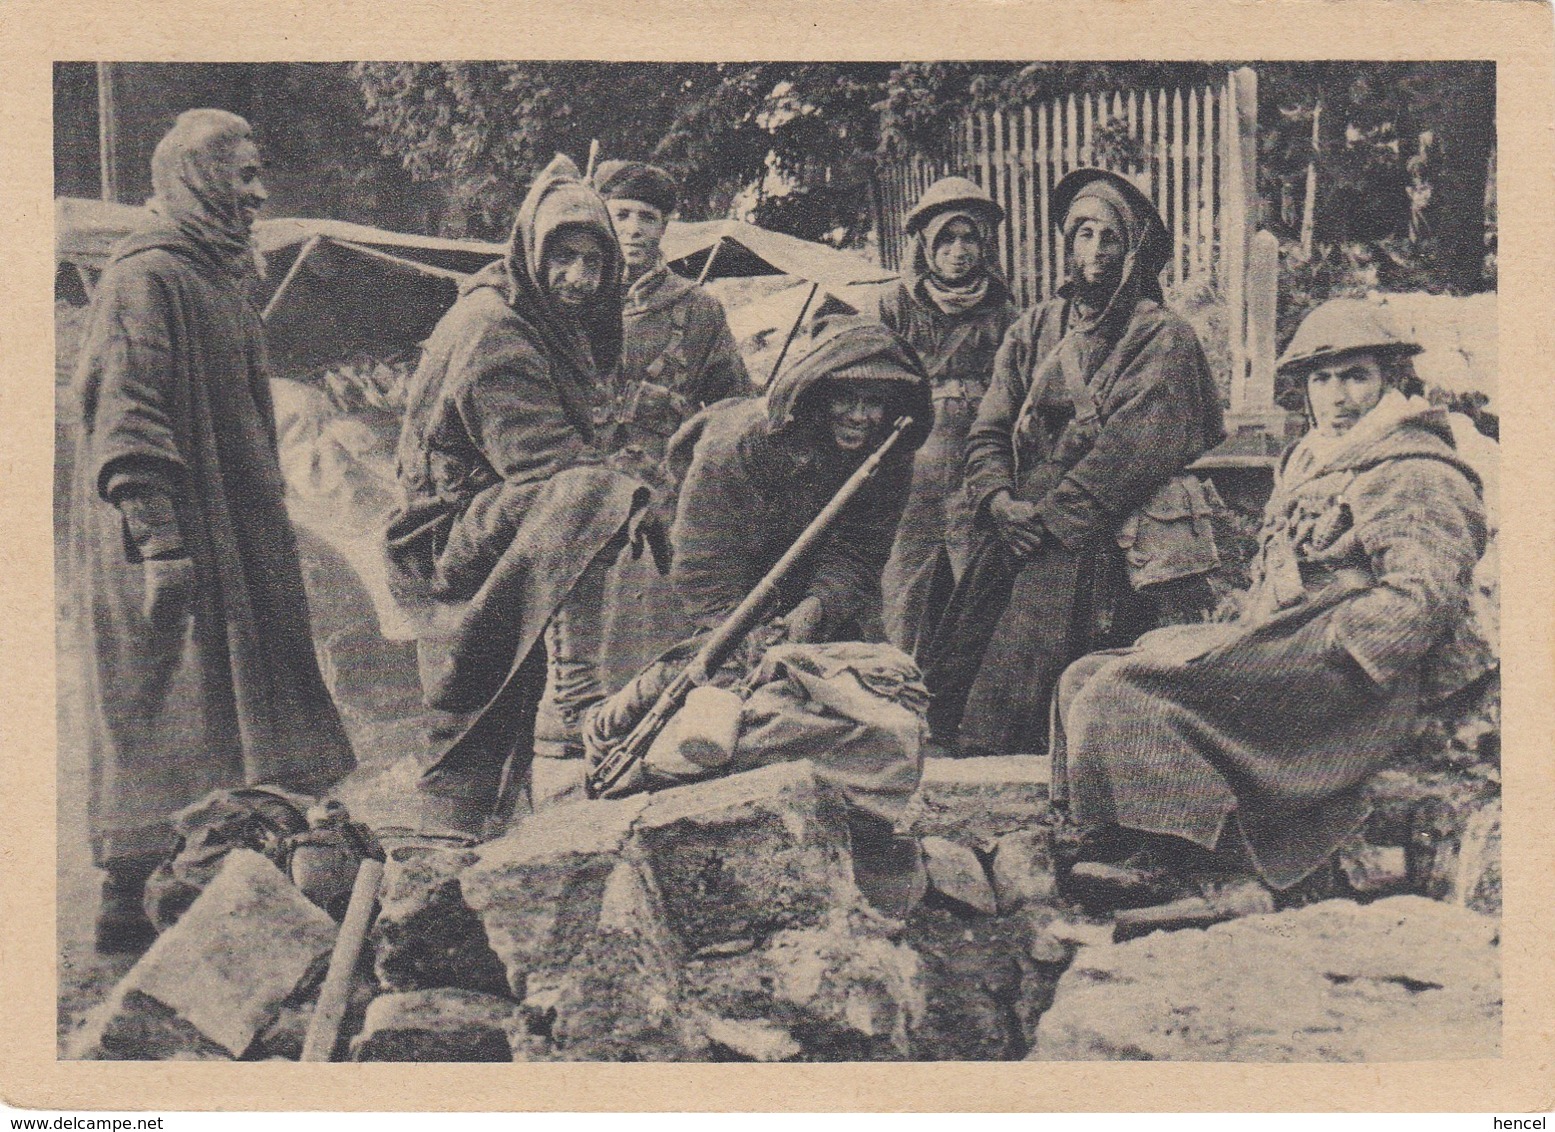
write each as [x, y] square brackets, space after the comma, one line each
[727, 920]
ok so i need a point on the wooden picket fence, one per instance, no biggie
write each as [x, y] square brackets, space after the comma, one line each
[1191, 151]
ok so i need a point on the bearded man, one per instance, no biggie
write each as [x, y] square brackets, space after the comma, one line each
[200, 670]
[512, 517]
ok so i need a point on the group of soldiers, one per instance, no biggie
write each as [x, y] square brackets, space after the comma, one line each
[587, 467]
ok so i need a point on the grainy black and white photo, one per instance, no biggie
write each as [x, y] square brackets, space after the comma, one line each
[777, 562]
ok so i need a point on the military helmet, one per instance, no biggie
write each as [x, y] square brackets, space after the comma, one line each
[1342, 326]
[954, 193]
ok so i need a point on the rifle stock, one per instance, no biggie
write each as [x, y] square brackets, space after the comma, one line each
[723, 641]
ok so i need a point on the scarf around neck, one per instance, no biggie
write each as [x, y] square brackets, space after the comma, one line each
[956, 300]
[193, 186]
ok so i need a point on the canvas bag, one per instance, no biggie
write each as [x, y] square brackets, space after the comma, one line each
[855, 710]
[1171, 535]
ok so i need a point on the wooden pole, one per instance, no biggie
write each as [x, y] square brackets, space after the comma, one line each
[324, 1030]
[1262, 298]
[1233, 233]
[1044, 233]
[1191, 220]
[107, 133]
[793, 330]
[1309, 201]
[286, 280]
[707, 264]
[1030, 296]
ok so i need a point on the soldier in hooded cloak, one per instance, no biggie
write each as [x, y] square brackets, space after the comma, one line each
[200, 668]
[953, 307]
[1258, 735]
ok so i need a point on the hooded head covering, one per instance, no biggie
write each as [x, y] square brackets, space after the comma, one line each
[847, 349]
[637, 180]
[1097, 194]
[560, 198]
[954, 198]
[194, 187]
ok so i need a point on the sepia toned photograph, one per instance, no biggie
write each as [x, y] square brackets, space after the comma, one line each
[782, 562]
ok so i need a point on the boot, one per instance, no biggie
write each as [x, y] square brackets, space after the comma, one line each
[123, 928]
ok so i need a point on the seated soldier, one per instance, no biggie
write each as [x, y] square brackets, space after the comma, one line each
[760, 470]
[1257, 737]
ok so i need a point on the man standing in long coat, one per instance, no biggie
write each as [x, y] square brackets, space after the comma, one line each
[512, 516]
[1100, 396]
[953, 308]
[200, 669]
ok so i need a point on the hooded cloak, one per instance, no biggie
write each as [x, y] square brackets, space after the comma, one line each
[957, 333]
[1278, 720]
[760, 470]
[999, 640]
[193, 187]
[177, 459]
[507, 499]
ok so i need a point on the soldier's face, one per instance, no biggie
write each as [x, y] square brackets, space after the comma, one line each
[957, 252]
[246, 186]
[639, 228]
[1343, 391]
[1098, 253]
[857, 416]
[573, 267]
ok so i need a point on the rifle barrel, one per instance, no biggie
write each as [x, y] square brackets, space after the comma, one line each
[724, 639]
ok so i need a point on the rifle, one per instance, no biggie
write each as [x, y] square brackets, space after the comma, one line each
[727, 637]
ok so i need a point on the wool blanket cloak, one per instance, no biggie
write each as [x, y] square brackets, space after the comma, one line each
[1008, 629]
[761, 470]
[958, 353]
[507, 496]
[173, 389]
[1361, 580]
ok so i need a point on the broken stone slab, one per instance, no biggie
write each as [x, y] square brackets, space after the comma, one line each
[232, 959]
[986, 982]
[1445, 840]
[1476, 875]
[840, 996]
[1215, 906]
[1400, 979]
[1023, 870]
[1402, 797]
[443, 1024]
[1374, 870]
[956, 875]
[978, 800]
[426, 936]
[742, 857]
[537, 890]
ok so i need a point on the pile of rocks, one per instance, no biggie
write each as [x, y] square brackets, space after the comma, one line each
[730, 921]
